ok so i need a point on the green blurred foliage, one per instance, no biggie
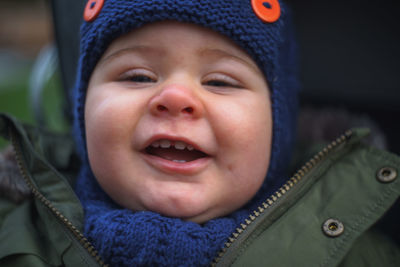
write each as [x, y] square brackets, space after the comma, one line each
[14, 100]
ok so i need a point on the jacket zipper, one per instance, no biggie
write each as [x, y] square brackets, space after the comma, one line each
[306, 168]
[80, 237]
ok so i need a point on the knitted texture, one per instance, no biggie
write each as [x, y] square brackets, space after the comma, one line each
[125, 238]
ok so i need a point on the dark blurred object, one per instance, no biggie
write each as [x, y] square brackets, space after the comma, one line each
[67, 17]
[349, 58]
[349, 55]
[349, 52]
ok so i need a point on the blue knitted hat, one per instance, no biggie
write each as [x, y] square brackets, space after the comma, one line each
[269, 44]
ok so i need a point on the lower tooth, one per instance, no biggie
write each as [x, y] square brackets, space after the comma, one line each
[179, 161]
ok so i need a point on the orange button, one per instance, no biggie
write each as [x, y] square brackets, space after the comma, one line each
[267, 10]
[92, 9]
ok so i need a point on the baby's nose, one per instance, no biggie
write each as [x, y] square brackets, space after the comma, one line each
[176, 100]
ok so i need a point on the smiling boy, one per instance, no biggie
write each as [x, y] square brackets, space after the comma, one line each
[185, 116]
[187, 131]
[185, 121]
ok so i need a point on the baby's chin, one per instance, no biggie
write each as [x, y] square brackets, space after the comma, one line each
[193, 216]
[194, 202]
[187, 212]
[197, 211]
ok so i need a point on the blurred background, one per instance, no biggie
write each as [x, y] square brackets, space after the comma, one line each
[26, 30]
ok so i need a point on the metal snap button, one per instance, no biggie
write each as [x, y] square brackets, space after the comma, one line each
[386, 174]
[333, 227]
[268, 11]
[92, 9]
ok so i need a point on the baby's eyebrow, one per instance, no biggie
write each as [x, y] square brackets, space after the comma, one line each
[224, 54]
[143, 49]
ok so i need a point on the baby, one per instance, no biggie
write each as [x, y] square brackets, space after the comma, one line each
[186, 134]
[184, 123]
[182, 111]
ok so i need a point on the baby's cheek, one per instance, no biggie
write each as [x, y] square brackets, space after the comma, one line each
[106, 122]
[252, 173]
[252, 162]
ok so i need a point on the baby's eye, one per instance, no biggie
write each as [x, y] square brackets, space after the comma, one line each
[139, 76]
[221, 80]
[141, 79]
[217, 83]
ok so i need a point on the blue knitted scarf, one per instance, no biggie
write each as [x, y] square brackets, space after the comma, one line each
[145, 238]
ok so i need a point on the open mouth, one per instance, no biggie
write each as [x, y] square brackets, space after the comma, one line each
[176, 151]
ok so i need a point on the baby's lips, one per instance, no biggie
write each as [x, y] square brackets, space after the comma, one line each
[174, 139]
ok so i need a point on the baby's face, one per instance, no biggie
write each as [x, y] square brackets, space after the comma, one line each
[178, 121]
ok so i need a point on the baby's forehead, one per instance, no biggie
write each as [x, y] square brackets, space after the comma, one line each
[161, 38]
[175, 33]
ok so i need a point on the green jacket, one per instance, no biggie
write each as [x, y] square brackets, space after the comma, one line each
[325, 215]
